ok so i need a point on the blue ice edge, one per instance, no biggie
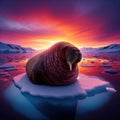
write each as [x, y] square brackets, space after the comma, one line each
[58, 102]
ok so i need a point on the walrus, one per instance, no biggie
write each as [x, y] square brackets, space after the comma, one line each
[55, 66]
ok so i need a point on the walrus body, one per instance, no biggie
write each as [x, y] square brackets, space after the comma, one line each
[52, 67]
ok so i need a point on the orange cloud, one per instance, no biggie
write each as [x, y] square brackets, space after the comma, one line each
[40, 24]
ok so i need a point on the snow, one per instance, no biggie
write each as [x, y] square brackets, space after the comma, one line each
[81, 87]
[13, 48]
[112, 48]
[111, 71]
[45, 91]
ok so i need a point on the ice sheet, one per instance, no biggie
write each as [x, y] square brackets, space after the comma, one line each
[81, 87]
[60, 102]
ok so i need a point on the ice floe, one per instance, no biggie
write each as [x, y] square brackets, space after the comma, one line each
[111, 71]
[58, 102]
[111, 89]
[87, 66]
[104, 64]
[8, 67]
[46, 91]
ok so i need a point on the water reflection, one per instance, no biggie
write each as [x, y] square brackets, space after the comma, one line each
[29, 107]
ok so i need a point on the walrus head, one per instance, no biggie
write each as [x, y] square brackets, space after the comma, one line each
[73, 56]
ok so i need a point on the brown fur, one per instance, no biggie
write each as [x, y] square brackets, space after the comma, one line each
[50, 67]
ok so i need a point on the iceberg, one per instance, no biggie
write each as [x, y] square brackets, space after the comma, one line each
[60, 102]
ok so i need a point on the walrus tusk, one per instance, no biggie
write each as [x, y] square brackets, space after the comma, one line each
[70, 65]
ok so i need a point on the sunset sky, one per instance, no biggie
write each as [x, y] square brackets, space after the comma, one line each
[41, 23]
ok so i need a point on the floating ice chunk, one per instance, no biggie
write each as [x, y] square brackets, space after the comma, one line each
[80, 87]
[88, 66]
[10, 69]
[92, 84]
[51, 100]
[6, 66]
[111, 71]
[106, 65]
[60, 99]
[111, 89]
[46, 91]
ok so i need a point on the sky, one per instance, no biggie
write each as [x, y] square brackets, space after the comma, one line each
[40, 23]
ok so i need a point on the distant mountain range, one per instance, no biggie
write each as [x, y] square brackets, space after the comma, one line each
[112, 48]
[13, 48]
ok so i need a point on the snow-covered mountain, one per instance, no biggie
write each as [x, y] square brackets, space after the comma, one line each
[13, 48]
[112, 48]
